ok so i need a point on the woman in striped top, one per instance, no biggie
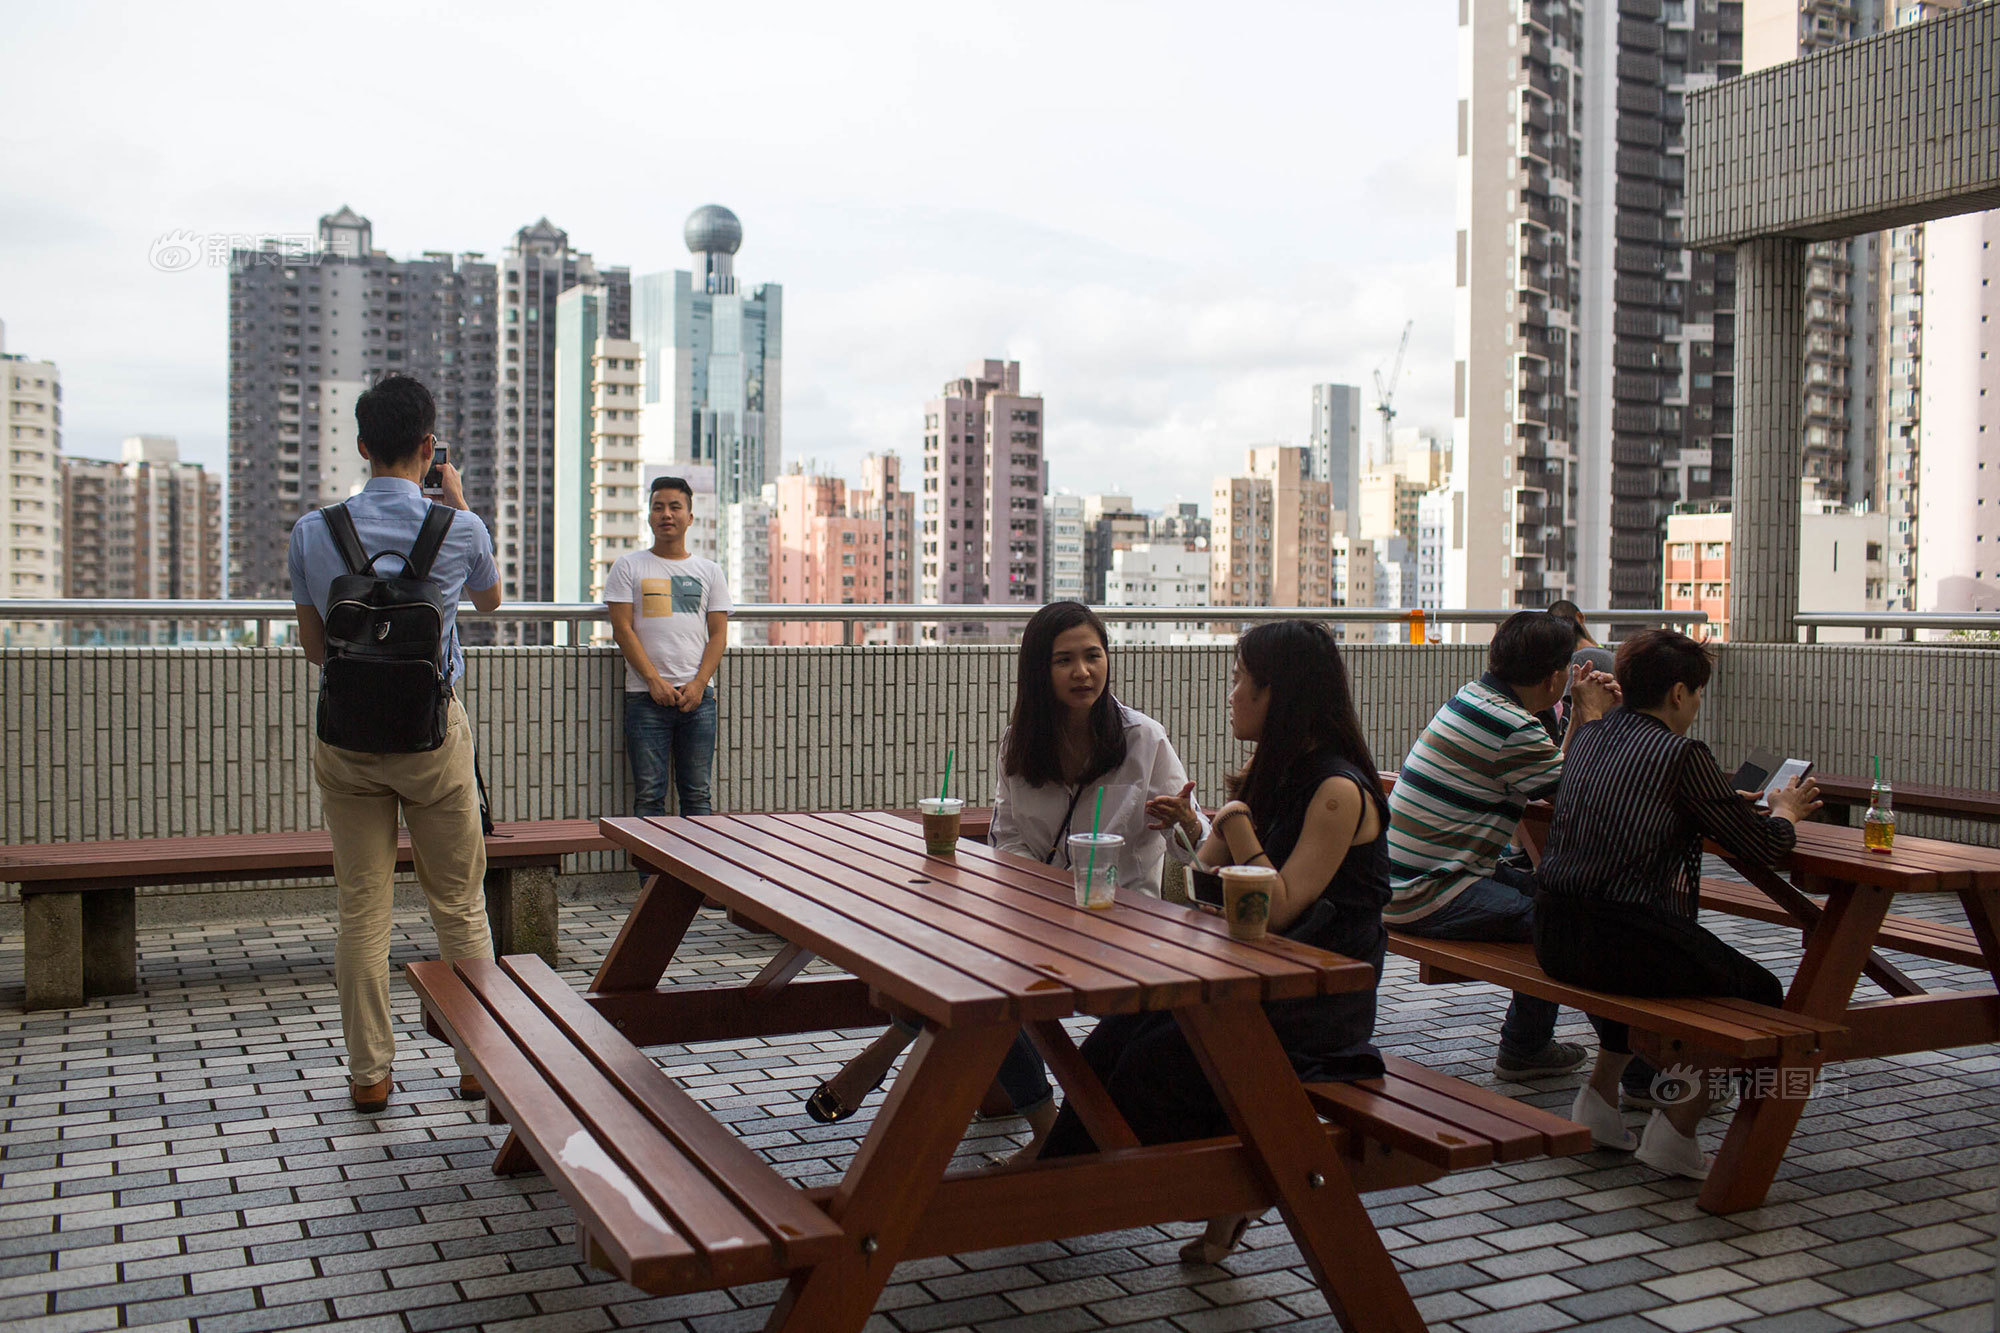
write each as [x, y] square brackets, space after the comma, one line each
[1621, 875]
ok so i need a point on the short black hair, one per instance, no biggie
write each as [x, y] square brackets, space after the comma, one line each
[1653, 661]
[671, 484]
[393, 418]
[1530, 647]
[1564, 609]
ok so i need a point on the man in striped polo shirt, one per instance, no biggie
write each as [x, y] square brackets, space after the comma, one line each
[1458, 801]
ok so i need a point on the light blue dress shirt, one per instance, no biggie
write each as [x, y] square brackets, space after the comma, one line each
[387, 514]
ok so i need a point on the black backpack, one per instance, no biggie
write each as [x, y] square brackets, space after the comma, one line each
[385, 690]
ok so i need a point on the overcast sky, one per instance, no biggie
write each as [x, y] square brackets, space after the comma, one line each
[1177, 216]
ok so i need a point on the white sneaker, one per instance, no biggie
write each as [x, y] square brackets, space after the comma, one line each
[1666, 1149]
[1601, 1118]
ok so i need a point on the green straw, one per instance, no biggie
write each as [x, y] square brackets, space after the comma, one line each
[1090, 867]
[945, 786]
[1878, 767]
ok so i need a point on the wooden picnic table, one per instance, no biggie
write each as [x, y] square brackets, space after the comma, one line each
[975, 947]
[1841, 935]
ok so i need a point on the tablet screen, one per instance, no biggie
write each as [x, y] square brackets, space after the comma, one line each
[1790, 771]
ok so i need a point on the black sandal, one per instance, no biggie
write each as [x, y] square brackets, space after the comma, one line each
[826, 1107]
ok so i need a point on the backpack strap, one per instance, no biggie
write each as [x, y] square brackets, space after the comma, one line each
[346, 540]
[430, 537]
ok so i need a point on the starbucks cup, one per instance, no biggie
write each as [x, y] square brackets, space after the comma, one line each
[941, 815]
[1093, 860]
[1246, 899]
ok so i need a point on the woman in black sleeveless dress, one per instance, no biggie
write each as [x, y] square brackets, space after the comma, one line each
[1309, 804]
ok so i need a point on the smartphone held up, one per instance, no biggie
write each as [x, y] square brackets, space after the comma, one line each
[434, 479]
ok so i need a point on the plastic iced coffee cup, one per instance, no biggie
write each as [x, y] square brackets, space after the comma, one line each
[1246, 899]
[1093, 860]
[941, 816]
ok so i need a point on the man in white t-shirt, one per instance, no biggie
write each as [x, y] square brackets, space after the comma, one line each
[670, 615]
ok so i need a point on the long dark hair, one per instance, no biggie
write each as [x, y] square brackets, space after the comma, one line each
[1311, 709]
[1032, 753]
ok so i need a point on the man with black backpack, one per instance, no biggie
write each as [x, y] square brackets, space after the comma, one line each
[376, 581]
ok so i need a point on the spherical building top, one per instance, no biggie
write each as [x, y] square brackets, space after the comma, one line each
[713, 229]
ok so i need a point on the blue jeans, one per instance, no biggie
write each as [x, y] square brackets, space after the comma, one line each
[1498, 908]
[662, 740]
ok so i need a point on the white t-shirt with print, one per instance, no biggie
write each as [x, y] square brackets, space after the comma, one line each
[671, 601]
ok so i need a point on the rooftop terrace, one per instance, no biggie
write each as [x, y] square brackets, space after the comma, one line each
[186, 1158]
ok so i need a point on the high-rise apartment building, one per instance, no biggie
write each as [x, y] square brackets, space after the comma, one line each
[882, 498]
[1111, 523]
[713, 361]
[600, 507]
[146, 525]
[1595, 356]
[1183, 525]
[1958, 417]
[526, 502]
[743, 549]
[983, 486]
[307, 335]
[31, 493]
[1063, 547]
[1351, 566]
[1149, 574]
[1334, 452]
[1269, 544]
[822, 552]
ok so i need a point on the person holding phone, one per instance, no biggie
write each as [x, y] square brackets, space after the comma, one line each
[1621, 876]
[1069, 739]
[1309, 805]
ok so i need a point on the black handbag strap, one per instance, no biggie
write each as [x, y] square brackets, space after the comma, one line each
[437, 522]
[346, 540]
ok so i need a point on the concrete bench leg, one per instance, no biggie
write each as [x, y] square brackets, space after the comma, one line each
[110, 942]
[53, 965]
[521, 909]
[80, 945]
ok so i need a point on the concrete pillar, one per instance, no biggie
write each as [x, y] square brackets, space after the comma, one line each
[1770, 435]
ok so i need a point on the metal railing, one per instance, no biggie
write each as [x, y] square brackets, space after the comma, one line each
[1904, 623]
[264, 614]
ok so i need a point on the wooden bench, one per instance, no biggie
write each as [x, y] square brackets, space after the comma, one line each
[1912, 935]
[674, 1202]
[1739, 1030]
[79, 901]
[666, 1194]
[1442, 1122]
[1846, 796]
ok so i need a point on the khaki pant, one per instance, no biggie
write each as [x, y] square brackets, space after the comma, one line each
[439, 800]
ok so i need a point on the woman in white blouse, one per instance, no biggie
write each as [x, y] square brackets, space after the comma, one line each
[1069, 736]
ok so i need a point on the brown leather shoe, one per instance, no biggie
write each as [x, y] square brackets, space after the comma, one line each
[469, 1089]
[370, 1097]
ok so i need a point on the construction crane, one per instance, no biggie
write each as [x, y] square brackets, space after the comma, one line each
[1385, 391]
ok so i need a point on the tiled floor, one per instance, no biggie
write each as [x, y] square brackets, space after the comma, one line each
[186, 1158]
